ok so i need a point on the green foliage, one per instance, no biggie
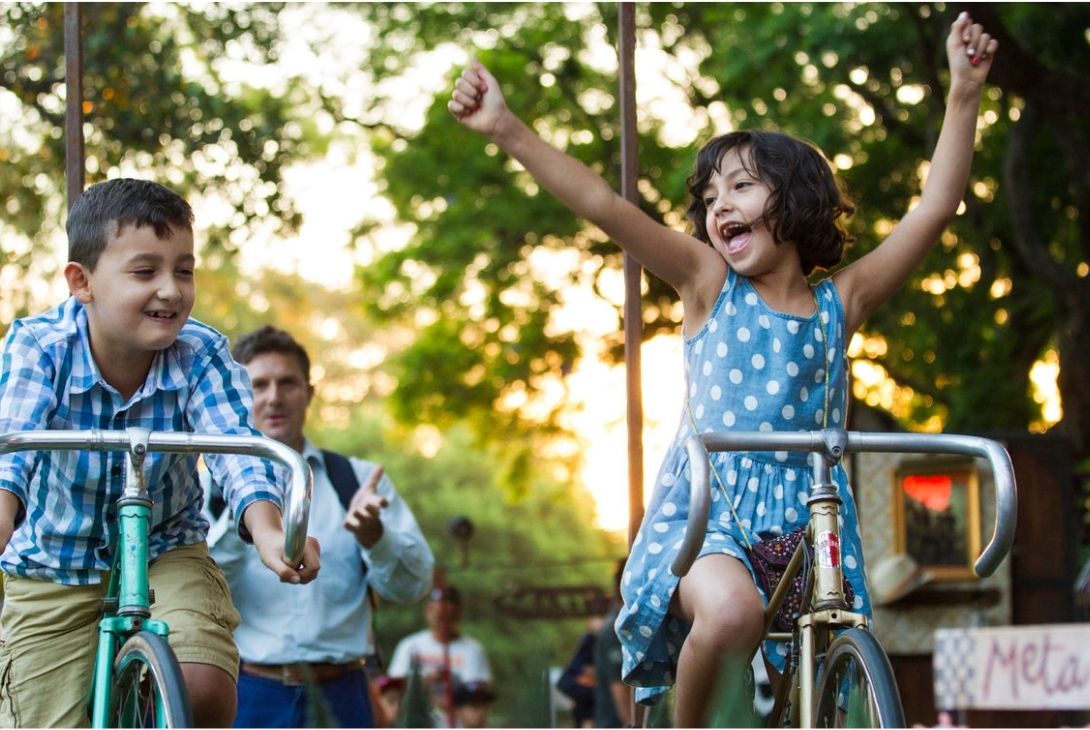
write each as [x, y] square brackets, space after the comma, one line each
[865, 82]
[156, 104]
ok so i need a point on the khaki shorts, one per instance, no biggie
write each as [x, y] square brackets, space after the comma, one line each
[51, 631]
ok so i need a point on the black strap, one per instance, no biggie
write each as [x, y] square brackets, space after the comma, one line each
[341, 474]
[216, 503]
[337, 467]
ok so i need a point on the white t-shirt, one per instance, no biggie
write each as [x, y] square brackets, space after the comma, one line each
[468, 662]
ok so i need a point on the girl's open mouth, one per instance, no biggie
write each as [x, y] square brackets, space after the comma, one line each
[737, 236]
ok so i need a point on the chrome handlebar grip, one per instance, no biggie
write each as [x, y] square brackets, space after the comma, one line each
[1006, 494]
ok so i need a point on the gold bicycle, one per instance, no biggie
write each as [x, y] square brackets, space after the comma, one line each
[837, 674]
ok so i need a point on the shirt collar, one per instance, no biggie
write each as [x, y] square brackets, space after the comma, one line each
[313, 455]
[86, 373]
[167, 369]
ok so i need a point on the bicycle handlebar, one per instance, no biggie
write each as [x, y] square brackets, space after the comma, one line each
[834, 443]
[297, 499]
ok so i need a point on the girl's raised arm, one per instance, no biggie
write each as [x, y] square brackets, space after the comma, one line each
[874, 278]
[677, 258]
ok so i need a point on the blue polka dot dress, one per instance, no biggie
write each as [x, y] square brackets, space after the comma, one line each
[751, 368]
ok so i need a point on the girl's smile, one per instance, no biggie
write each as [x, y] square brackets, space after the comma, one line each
[737, 236]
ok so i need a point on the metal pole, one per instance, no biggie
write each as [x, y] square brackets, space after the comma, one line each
[73, 111]
[633, 273]
[633, 276]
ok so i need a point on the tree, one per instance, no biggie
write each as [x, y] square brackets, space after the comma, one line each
[863, 81]
[160, 104]
[157, 104]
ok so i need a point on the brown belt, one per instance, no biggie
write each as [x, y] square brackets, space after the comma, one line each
[297, 674]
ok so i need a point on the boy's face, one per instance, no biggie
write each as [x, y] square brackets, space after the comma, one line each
[140, 293]
[443, 618]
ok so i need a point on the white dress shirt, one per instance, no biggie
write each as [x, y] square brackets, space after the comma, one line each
[329, 619]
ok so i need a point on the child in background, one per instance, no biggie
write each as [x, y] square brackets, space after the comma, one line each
[764, 350]
[122, 352]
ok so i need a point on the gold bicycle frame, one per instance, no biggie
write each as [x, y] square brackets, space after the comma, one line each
[825, 607]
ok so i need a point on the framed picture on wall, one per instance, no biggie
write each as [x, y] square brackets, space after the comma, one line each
[937, 516]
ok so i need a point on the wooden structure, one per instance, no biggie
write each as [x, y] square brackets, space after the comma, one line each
[1034, 587]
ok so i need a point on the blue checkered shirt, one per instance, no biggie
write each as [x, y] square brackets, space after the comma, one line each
[49, 380]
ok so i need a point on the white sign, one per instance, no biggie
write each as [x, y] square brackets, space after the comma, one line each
[1044, 667]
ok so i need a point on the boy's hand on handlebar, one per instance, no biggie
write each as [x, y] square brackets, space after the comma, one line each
[308, 568]
[477, 101]
[364, 518]
[263, 521]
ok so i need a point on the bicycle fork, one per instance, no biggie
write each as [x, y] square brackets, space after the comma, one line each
[127, 605]
[829, 610]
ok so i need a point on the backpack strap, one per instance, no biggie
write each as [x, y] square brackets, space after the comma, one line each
[344, 480]
[341, 475]
[337, 467]
[216, 503]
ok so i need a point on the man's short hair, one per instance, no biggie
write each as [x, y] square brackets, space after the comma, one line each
[270, 339]
[104, 209]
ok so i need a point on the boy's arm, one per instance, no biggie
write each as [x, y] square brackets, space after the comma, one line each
[675, 257]
[222, 403]
[874, 278]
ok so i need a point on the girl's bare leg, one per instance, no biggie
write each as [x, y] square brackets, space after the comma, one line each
[727, 615]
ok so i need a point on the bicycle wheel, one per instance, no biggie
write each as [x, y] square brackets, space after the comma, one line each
[147, 688]
[857, 688]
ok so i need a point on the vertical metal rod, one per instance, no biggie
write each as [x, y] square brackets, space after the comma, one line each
[73, 111]
[633, 273]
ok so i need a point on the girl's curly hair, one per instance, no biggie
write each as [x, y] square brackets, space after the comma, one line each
[806, 201]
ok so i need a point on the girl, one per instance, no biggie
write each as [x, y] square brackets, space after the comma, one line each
[764, 350]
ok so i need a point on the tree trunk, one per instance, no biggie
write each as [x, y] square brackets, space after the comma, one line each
[1073, 342]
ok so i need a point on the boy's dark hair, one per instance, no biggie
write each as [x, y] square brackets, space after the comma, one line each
[270, 339]
[104, 209]
[805, 202]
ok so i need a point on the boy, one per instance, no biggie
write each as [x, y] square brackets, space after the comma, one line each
[122, 352]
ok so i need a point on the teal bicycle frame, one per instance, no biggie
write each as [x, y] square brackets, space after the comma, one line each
[127, 606]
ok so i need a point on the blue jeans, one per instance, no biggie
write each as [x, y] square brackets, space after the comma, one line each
[268, 703]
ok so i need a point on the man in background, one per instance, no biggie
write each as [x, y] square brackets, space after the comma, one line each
[303, 647]
[444, 656]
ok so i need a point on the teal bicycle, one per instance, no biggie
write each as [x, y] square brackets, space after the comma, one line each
[137, 680]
